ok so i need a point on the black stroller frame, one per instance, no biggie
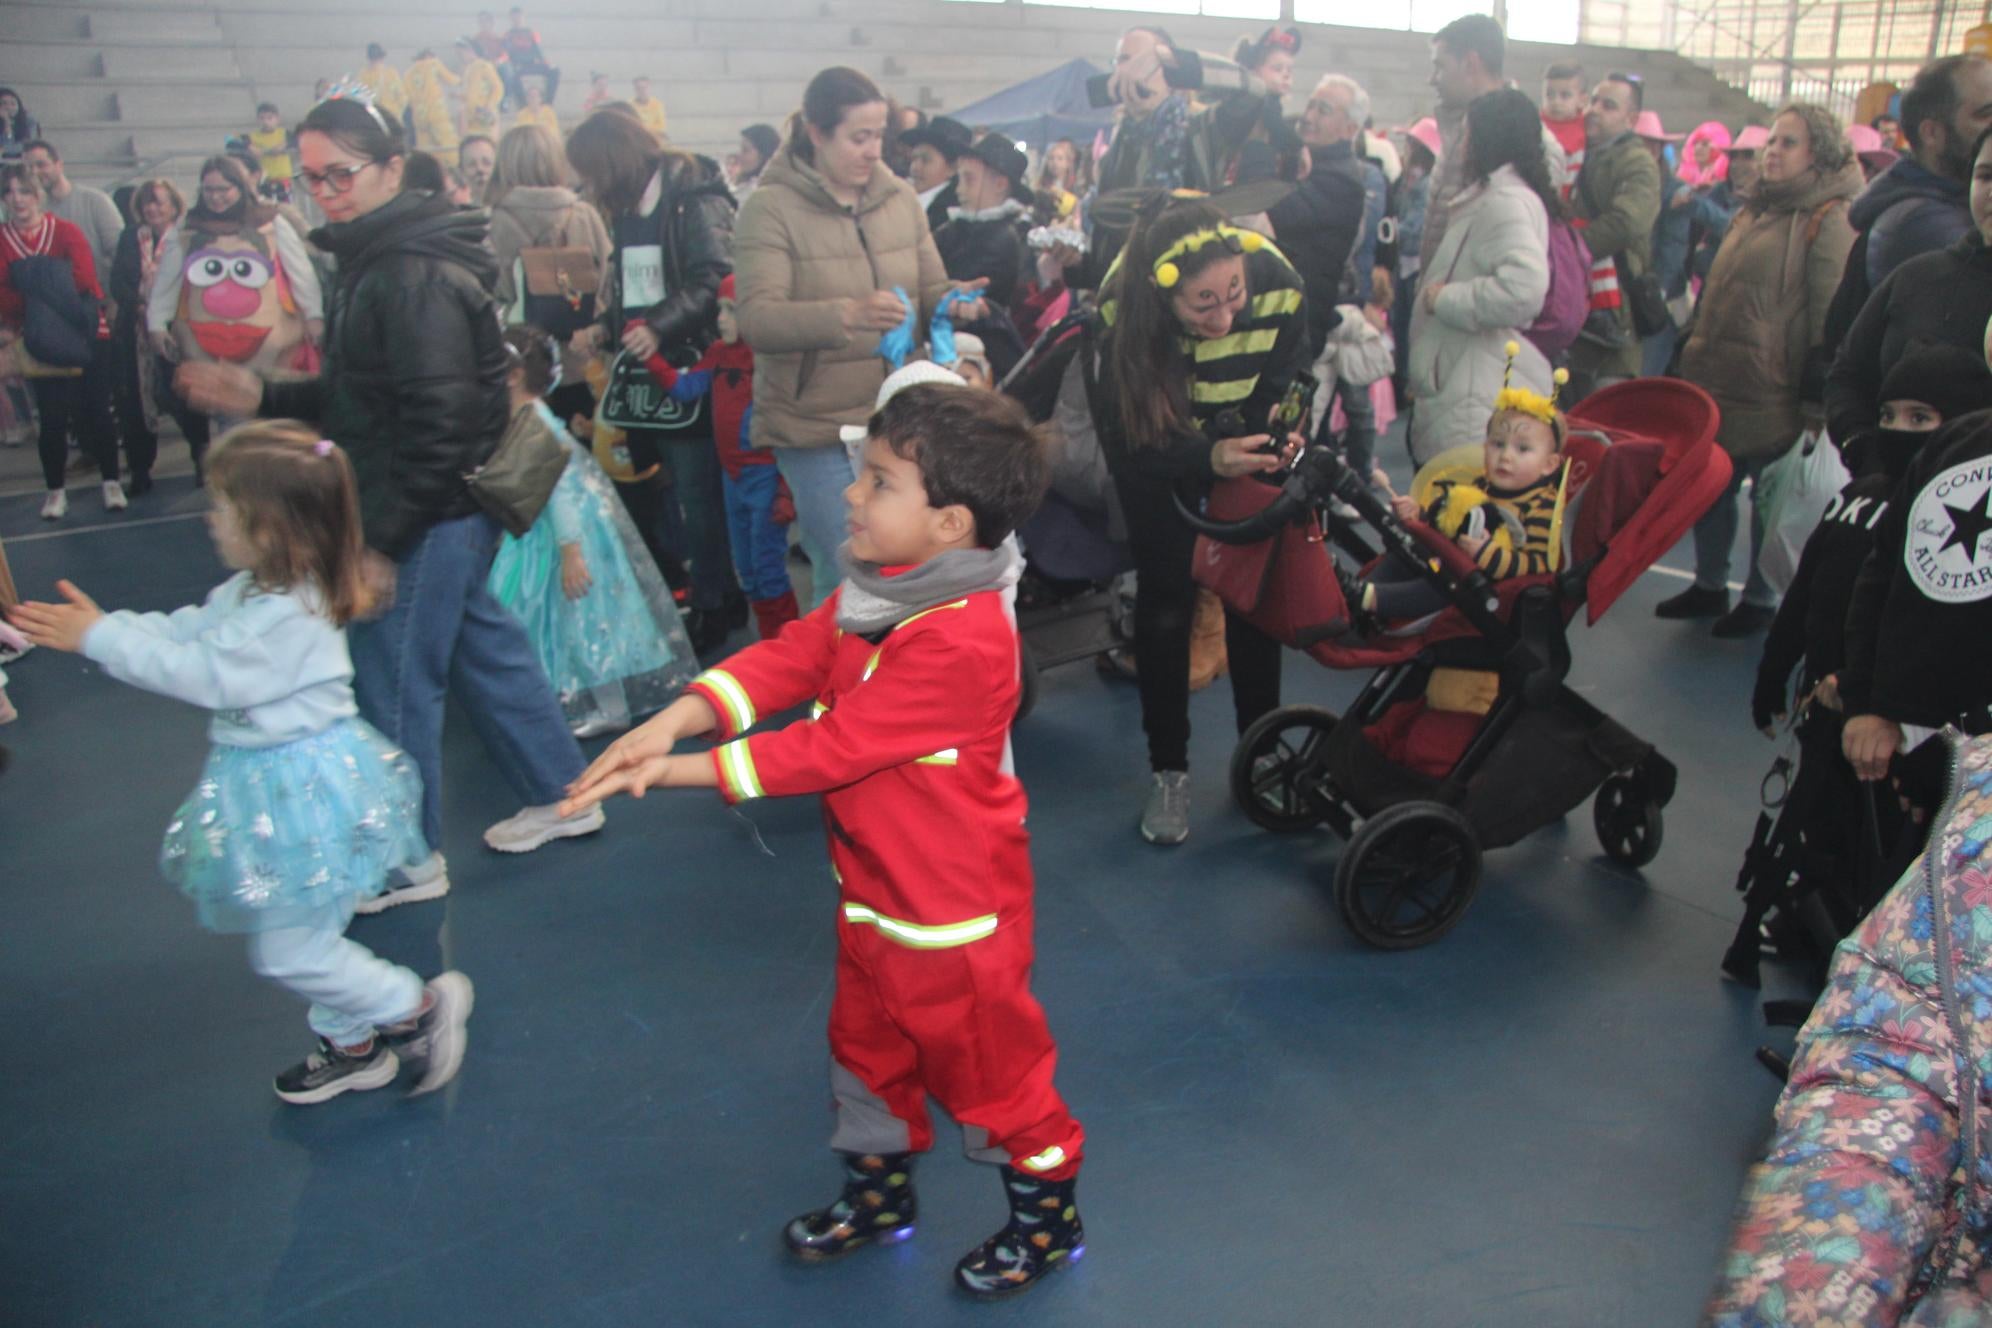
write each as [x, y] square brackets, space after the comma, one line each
[1412, 864]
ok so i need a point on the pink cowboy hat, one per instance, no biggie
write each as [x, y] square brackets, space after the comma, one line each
[1425, 131]
[1750, 138]
[1648, 126]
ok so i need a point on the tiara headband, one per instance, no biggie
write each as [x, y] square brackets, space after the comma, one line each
[1168, 273]
[348, 88]
[1529, 403]
[323, 447]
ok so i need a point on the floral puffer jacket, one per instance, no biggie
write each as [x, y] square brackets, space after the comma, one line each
[1874, 1204]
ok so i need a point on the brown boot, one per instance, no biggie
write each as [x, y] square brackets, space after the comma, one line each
[1207, 658]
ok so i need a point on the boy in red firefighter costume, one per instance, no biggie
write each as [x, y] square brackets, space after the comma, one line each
[912, 667]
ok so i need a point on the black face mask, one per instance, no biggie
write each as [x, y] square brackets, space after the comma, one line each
[1891, 450]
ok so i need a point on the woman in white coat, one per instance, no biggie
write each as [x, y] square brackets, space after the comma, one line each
[1487, 281]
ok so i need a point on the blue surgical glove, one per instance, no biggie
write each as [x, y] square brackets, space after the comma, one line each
[940, 333]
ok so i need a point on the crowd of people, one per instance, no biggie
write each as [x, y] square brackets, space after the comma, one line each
[570, 397]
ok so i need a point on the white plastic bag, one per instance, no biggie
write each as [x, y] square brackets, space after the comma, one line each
[1791, 495]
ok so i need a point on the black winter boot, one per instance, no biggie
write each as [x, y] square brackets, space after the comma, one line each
[1044, 1232]
[877, 1205]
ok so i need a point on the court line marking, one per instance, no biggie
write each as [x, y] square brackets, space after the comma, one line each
[104, 526]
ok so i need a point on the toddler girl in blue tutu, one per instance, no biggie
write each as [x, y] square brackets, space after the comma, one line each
[302, 808]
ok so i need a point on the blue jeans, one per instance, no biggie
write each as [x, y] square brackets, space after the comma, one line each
[1715, 536]
[817, 477]
[760, 547]
[351, 989]
[447, 632]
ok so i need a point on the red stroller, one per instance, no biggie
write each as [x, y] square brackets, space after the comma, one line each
[1465, 738]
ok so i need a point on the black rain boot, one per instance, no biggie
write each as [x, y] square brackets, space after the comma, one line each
[1044, 1232]
[877, 1205]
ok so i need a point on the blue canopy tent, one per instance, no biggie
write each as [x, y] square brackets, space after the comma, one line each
[1039, 111]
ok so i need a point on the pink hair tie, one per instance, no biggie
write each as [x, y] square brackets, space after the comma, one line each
[323, 447]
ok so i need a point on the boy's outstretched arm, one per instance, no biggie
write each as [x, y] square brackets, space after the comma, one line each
[641, 759]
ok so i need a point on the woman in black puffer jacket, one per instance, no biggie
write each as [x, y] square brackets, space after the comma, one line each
[413, 388]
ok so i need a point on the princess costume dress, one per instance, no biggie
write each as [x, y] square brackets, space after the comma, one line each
[620, 650]
[302, 808]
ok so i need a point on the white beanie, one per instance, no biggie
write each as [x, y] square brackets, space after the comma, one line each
[912, 375]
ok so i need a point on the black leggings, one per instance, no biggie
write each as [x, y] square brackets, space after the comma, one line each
[85, 404]
[1164, 610]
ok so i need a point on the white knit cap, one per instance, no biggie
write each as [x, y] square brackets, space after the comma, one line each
[912, 375]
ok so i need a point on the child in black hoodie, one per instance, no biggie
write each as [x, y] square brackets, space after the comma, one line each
[1928, 387]
[1921, 610]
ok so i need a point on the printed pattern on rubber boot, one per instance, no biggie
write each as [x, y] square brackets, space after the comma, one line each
[876, 1207]
[1044, 1233]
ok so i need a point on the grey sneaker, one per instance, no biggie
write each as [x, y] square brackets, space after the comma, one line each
[1166, 819]
[433, 1040]
[427, 879]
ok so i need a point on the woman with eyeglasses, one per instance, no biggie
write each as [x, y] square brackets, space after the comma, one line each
[235, 284]
[413, 388]
[1202, 328]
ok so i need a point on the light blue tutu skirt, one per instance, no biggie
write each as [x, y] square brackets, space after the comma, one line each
[287, 836]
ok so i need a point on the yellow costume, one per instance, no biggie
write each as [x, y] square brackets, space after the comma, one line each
[435, 131]
[651, 112]
[543, 116]
[389, 96]
[483, 90]
[273, 150]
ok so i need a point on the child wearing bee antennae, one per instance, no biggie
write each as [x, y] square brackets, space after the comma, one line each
[1505, 517]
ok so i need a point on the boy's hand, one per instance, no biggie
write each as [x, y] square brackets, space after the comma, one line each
[1406, 508]
[1472, 543]
[687, 716]
[633, 779]
[59, 626]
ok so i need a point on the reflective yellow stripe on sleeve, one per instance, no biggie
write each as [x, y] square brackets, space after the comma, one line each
[917, 937]
[732, 696]
[736, 767]
[1046, 1160]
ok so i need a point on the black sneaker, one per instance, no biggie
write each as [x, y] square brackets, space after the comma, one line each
[433, 1042]
[1694, 602]
[876, 1207]
[329, 1071]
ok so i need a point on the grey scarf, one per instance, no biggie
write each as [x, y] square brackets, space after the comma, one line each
[869, 601]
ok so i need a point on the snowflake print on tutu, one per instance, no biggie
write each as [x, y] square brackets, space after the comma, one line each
[289, 835]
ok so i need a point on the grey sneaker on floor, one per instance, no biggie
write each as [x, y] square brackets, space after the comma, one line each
[428, 879]
[1166, 820]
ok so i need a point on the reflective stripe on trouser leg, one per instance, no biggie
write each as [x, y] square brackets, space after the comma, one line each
[960, 1024]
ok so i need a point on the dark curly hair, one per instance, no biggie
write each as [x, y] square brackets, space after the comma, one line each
[1504, 129]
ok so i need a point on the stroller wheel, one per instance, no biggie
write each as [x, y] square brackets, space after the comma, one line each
[1408, 875]
[1275, 765]
[1628, 823]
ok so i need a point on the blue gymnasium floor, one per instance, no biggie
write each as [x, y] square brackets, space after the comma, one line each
[1541, 1120]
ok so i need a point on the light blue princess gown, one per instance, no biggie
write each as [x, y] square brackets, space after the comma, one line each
[302, 808]
[620, 650]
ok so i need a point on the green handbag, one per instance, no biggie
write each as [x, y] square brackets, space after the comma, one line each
[513, 486]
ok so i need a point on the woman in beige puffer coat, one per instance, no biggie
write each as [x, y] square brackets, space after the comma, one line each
[1756, 344]
[818, 251]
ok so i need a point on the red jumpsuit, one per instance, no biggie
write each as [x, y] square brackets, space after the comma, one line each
[908, 742]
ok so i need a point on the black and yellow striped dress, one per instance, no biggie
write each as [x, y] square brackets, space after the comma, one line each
[1249, 368]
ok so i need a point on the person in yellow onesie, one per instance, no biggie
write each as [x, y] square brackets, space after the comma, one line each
[483, 91]
[428, 81]
[649, 109]
[390, 97]
[536, 111]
